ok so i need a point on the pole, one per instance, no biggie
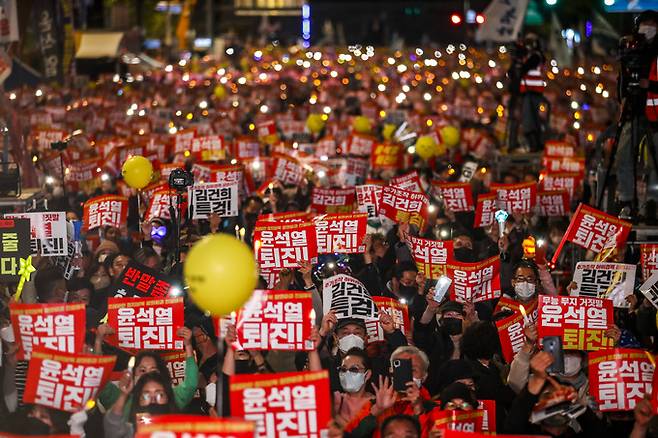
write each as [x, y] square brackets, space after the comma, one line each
[219, 396]
[209, 19]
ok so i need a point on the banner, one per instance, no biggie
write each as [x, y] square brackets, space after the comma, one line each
[594, 230]
[348, 298]
[555, 203]
[285, 217]
[161, 200]
[59, 327]
[276, 320]
[650, 289]
[359, 144]
[580, 322]
[183, 140]
[619, 378]
[288, 171]
[504, 21]
[485, 210]
[474, 282]
[175, 361]
[48, 30]
[431, 256]
[47, 231]
[197, 426]
[145, 323]
[409, 182]
[138, 280]
[613, 281]
[516, 198]
[219, 198]
[459, 434]
[404, 206]
[386, 156]
[510, 329]
[559, 149]
[564, 165]
[209, 147]
[465, 421]
[648, 259]
[280, 245]
[332, 200]
[397, 310]
[567, 181]
[283, 404]
[105, 210]
[15, 240]
[341, 233]
[457, 196]
[65, 381]
[489, 417]
[368, 197]
[8, 22]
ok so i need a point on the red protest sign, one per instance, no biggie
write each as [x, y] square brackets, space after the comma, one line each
[457, 196]
[275, 320]
[568, 181]
[556, 148]
[489, 417]
[137, 280]
[286, 216]
[105, 210]
[402, 205]
[246, 147]
[175, 361]
[83, 170]
[280, 245]
[485, 210]
[183, 140]
[265, 129]
[197, 426]
[510, 329]
[59, 327]
[341, 233]
[359, 144]
[386, 156]
[160, 203]
[619, 378]
[474, 282]
[409, 182]
[460, 434]
[648, 259]
[208, 147]
[466, 421]
[145, 323]
[398, 311]
[332, 200]
[594, 230]
[430, 256]
[580, 322]
[516, 198]
[564, 164]
[553, 203]
[65, 381]
[283, 404]
[368, 197]
[288, 170]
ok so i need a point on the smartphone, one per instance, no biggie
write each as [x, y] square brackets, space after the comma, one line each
[553, 345]
[442, 285]
[401, 374]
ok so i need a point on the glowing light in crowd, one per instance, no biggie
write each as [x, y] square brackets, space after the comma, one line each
[306, 25]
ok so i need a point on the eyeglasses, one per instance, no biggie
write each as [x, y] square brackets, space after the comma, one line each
[464, 406]
[526, 279]
[157, 397]
[353, 369]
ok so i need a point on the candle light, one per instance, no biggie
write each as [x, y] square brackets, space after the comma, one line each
[237, 231]
[526, 320]
[131, 364]
[242, 233]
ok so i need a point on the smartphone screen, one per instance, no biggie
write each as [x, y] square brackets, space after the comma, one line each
[401, 374]
[442, 285]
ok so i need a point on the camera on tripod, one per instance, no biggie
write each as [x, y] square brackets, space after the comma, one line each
[180, 179]
[632, 53]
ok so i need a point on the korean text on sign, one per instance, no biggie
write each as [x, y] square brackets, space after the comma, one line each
[457, 197]
[283, 404]
[431, 256]
[197, 426]
[59, 327]
[368, 198]
[553, 203]
[614, 281]
[47, 231]
[175, 361]
[105, 210]
[595, 230]
[275, 320]
[348, 297]
[14, 246]
[148, 324]
[648, 259]
[218, 198]
[404, 206]
[465, 421]
[485, 210]
[619, 378]
[398, 311]
[288, 171]
[137, 280]
[510, 329]
[474, 282]
[580, 322]
[332, 200]
[516, 198]
[340, 233]
[409, 182]
[65, 381]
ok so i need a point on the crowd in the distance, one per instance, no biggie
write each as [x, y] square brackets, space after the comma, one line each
[454, 348]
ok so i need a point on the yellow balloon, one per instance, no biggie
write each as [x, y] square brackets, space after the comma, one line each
[315, 123]
[425, 147]
[361, 124]
[450, 136]
[137, 172]
[219, 92]
[388, 131]
[221, 274]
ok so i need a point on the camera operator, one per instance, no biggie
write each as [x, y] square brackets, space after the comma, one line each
[532, 87]
[638, 91]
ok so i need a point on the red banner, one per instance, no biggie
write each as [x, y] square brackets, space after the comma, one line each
[398, 311]
[465, 421]
[564, 164]
[59, 327]
[516, 198]
[648, 259]
[281, 245]
[580, 322]
[594, 230]
[457, 196]
[485, 210]
[431, 256]
[275, 320]
[246, 147]
[286, 216]
[619, 378]
[341, 233]
[332, 200]
[555, 203]
[65, 381]
[197, 426]
[145, 324]
[404, 206]
[368, 197]
[474, 282]
[288, 171]
[137, 280]
[283, 404]
[409, 182]
[359, 144]
[459, 434]
[105, 210]
[160, 203]
[209, 147]
[556, 148]
[568, 181]
[489, 417]
[386, 156]
[183, 140]
[510, 329]
[84, 170]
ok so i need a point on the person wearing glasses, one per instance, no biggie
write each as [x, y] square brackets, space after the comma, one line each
[354, 398]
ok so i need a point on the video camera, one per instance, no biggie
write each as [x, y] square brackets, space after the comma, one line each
[633, 57]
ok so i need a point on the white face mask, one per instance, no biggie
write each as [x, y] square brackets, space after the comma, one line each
[351, 382]
[648, 31]
[571, 365]
[350, 341]
[211, 393]
[418, 382]
[524, 290]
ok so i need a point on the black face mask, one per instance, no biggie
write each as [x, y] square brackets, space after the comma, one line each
[465, 255]
[34, 426]
[244, 367]
[407, 292]
[452, 326]
[154, 409]
[251, 217]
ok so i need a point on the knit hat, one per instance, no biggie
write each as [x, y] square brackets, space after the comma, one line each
[107, 246]
[457, 391]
